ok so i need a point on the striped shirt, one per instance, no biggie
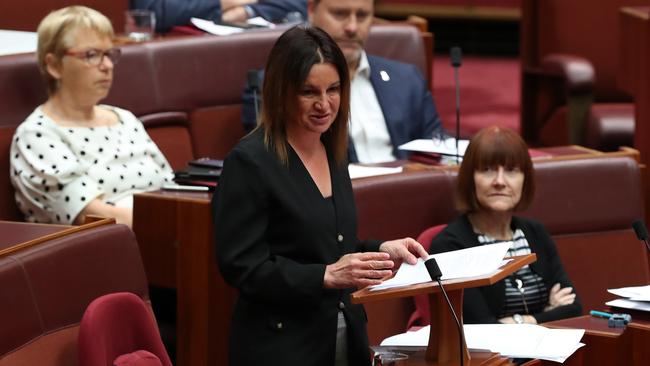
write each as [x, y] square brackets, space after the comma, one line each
[526, 292]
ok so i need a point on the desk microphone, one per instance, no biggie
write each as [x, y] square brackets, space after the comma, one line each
[254, 84]
[435, 273]
[641, 232]
[456, 61]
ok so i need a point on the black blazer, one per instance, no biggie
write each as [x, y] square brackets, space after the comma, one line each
[484, 304]
[275, 233]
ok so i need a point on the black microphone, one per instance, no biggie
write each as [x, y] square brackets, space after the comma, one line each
[641, 232]
[436, 273]
[254, 84]
[456, 61]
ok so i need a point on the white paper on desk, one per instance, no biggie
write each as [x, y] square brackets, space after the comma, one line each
[212, 28]
[636, 293]
[438, 146]
[13, 42]
[630, 304]
[361, 171]
[261, 22]
[510, 340]
[470, 262]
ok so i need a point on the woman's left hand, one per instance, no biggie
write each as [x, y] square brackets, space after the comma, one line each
[406, 249]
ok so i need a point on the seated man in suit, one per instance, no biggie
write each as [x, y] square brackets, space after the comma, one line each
[170, 13]
[390, 101]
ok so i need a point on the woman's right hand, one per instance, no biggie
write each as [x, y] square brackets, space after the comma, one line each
[358, 270]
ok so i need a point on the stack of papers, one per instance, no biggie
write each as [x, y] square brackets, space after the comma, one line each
[465, 263]
[436, 146]
[510, 340]
[636, 298]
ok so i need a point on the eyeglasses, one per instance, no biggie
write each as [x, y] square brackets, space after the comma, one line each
[95, 57]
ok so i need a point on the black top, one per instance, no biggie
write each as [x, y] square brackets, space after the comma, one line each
[485, 304]
[275, 233]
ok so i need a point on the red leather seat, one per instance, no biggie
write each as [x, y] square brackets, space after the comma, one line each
[120, 327]
[421, 316]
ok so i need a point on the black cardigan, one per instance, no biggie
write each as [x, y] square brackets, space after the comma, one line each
[275, 233]
[484, 304]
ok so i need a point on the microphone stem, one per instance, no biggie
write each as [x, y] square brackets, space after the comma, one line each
[461, 335]
[647, 245]
[457, 113]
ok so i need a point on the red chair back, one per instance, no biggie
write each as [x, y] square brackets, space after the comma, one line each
[119, 324]
[420, 316]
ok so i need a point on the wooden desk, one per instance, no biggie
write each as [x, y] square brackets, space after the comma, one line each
[610, 346]
[175, 234]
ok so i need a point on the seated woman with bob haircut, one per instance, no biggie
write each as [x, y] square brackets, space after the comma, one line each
[286, 222]
[73, 157]
[496, 180]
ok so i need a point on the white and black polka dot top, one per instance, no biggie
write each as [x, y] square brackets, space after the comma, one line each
[58, 170]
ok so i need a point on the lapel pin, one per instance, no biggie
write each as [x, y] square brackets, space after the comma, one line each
[384, 75]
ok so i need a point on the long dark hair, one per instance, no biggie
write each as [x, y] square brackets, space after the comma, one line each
[287, 68]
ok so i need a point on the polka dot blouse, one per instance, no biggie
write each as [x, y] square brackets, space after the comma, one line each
[56, 170]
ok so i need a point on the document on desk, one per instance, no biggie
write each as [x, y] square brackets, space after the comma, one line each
[14, 42]
[437, 146]
[630, 304]
[216, 29]
[362, 171]
[510, 340]
[635, 293]
[464, 263]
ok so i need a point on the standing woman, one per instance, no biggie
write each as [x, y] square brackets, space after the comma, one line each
[285, 218]
[72, 156]
[495, 180]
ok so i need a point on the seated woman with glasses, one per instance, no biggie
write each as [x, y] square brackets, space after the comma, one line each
[73, 157]
[495, 180]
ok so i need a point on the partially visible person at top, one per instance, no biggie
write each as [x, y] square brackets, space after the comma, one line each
[287, 228]
[390, 102]
[495, 181]
[170, 13]
[72, 156]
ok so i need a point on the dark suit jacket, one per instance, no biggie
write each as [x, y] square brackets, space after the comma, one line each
[275, 234]
[405, 100]
[484, 304]
[170, 13]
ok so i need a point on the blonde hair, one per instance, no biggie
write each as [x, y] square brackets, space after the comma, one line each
[55, 35]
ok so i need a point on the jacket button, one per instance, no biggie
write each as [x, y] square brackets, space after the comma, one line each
[339, 238]
[279, 325]
[341, 305]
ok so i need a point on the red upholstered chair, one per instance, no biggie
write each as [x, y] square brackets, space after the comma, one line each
[119, 329]
[420, 316]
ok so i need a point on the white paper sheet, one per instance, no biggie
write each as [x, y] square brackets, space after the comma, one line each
[471, 262]
[361, 171]
[13, 42]
[635, 293]
[630, 304]
[212, 28]
[510, 340]
[437, 146]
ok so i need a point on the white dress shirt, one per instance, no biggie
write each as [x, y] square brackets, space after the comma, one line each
[367, 124]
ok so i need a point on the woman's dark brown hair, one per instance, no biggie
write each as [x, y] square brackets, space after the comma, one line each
[493, 147]
[287, 68]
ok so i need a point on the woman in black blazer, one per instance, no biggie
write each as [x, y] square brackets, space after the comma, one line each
[285, 220]
[495, 180]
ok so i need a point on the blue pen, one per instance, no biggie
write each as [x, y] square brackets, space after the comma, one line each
[600, 314]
